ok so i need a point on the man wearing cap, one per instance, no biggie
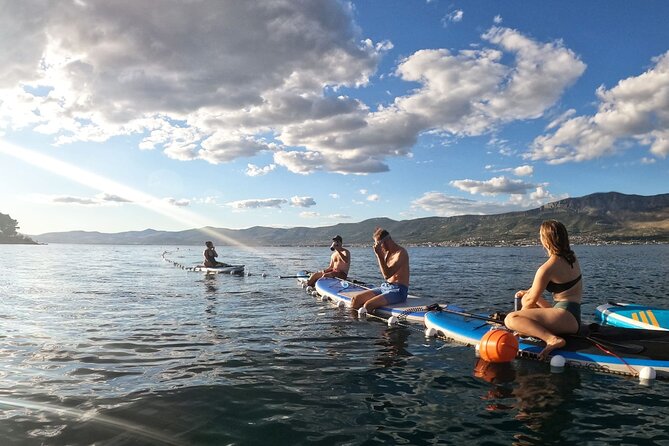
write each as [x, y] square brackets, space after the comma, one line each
[340, 262]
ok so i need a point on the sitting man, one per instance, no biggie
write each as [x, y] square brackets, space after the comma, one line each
[340, 262]
[394, 265]
[210, 255]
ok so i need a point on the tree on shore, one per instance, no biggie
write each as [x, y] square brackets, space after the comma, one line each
[9, 231]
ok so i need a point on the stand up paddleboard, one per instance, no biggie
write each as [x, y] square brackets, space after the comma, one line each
[227, 269]
[235, 270]
[341, 292]
[633, 316]
[600, 348]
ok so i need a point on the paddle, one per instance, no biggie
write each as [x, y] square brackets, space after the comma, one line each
[437, 307]
[302, 274]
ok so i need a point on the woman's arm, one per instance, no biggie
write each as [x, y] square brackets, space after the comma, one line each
[534, 296]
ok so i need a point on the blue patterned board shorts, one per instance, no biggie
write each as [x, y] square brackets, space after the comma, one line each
[394, 293]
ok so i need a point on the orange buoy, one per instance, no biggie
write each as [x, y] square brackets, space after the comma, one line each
[498, 346]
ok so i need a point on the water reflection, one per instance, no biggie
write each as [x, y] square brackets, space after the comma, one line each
[542, 400]
[393, 347]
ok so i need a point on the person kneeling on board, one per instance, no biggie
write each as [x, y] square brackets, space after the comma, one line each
[560, 275]
[210, 255]
[394, 265]
[340, 262]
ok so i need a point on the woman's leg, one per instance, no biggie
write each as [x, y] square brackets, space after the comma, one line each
[543, 323]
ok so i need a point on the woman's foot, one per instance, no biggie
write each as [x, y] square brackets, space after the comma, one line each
[552, 344]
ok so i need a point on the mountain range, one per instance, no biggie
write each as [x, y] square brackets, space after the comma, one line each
[610, 217]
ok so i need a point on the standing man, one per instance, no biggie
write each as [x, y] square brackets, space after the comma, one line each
[210, 255]
[340, 262]
[394, 265]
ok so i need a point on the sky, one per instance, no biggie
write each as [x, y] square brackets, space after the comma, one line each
[171, 115]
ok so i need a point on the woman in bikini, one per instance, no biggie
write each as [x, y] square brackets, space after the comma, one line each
[560, 275]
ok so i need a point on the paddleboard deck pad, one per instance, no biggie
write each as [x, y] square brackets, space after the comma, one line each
[338, 290]
[633, 316]
[596, 347]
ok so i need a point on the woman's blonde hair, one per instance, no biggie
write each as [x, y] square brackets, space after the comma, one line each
[556, 240]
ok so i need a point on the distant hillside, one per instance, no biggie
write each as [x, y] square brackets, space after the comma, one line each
[598, 218]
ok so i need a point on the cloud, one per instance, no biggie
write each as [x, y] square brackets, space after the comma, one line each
[75, 200]
[254, 171]
[373, 197]
[520, 171]
[177, 202]
[523, 171]
[634, 112]
[98, 200]
[444, 205]
[178, 74]
[453, 17]
[259, 203]
[303, 202]
[334, 196]
[112, 198]
[179, 71]
[493, 186]
[308, 214]
[467, 93]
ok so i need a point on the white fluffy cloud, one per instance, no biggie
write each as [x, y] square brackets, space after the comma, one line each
[464, 94]
[212, 79]
[635, 110]
[494, 186]
[254, 171]
[523, 171]
[303, 202]
[203, 78]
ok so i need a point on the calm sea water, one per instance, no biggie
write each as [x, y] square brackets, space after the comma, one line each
[109, 345]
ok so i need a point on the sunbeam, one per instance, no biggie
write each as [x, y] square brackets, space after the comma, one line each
[106, 185]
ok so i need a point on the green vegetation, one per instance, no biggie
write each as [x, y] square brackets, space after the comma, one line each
[8, 231]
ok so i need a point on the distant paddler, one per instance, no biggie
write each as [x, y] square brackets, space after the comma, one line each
[210, 255]
[394, 265]
[340, 262]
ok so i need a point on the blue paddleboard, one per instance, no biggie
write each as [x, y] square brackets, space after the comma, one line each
[600, 348]
[342, 291]
[633, 316]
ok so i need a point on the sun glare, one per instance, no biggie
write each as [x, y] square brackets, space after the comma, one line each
[105, 185]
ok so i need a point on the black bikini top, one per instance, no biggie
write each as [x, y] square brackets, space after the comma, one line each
[553, 287]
